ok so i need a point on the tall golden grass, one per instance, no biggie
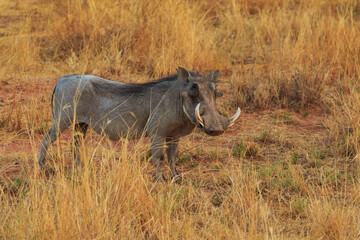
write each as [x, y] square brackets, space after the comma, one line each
[272, 54]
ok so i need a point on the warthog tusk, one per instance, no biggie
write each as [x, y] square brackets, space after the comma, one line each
[197, 115]
[233, 118]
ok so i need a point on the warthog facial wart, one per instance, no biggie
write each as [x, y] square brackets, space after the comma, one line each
[164, 110]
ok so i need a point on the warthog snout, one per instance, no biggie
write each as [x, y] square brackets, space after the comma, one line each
[213, 123]
[214, 130]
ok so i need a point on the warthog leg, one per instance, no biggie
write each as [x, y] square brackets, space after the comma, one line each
[56, 129]
[157, 150]
[172, 151]
[79, 137]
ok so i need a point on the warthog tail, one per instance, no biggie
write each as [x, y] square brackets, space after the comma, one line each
[52, 101]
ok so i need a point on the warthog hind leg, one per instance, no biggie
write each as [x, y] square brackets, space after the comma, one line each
[56, 129]
[79, 137]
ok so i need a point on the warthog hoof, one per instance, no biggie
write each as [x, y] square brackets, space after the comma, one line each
[176, 179]
[42, 165]
[161, 178]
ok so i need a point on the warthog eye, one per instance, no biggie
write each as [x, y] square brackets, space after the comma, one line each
[194, 89]
[219, 94]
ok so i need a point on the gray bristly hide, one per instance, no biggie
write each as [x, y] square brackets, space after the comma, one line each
[165, 110]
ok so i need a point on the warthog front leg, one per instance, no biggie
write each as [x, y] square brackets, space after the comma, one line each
[157, 150]
[172, 151]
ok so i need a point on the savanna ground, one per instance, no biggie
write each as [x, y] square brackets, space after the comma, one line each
[288, 169]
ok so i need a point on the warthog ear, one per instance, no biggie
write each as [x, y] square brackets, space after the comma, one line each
[183, 74]
[214, 76]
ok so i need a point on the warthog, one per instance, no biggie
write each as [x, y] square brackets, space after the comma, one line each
[164, 110]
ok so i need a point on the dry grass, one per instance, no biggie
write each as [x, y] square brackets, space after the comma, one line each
[288, 170]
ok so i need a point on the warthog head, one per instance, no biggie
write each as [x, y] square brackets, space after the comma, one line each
[199, 102]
